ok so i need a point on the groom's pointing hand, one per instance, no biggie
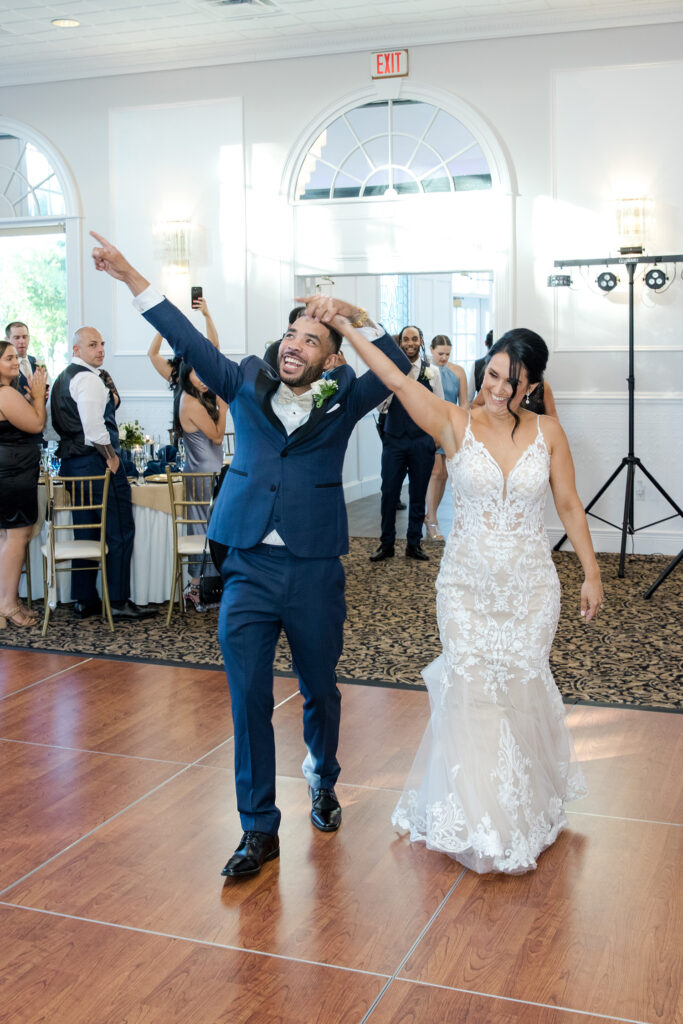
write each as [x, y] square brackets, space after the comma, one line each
[108, 258]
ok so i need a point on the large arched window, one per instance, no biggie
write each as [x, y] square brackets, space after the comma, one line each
[392, 148]
[35, 203]
[29, 186]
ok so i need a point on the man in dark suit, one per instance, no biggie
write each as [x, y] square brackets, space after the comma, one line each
[83, 406]
[280, 524]
[407, 448]
[17, 334]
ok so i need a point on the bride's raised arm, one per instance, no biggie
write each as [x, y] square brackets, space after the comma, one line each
[432, 414]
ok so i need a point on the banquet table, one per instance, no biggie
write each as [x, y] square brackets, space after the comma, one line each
[152, 562]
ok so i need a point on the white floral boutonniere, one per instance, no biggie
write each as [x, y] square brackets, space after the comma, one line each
[322, 389]
[428, 373]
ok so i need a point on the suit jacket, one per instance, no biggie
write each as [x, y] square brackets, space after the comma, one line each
[290, 483]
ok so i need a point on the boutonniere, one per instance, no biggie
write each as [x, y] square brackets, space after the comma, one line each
[427, 373]
[322, 389]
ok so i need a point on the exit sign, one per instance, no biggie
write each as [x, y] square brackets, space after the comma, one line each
[393, 64]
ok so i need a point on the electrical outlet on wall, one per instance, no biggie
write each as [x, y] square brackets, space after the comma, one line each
[640, 490]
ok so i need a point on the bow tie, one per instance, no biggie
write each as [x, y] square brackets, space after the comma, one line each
[285, 396]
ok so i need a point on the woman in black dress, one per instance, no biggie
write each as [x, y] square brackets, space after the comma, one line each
[20, 421]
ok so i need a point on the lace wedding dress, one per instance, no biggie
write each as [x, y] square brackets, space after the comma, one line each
[497, 761]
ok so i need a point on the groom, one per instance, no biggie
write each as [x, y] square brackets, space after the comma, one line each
[280, 524]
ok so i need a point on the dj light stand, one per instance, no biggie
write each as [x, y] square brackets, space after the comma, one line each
[630, 461]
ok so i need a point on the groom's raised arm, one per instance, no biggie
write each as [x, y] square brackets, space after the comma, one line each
[217, 371]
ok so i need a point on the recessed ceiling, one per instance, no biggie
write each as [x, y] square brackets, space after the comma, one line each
[125, 36]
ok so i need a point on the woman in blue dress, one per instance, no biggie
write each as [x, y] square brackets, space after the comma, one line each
[454, 383]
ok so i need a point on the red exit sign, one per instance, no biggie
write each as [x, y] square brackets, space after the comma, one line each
[393, 64]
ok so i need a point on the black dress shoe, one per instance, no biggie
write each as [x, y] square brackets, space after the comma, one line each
[325, 810]
[415, 551]
[84, 609]
[401, 506]
[382, 552]
[254, 850]
[129, 610]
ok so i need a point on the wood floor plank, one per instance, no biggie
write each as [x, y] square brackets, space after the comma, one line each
[597, 927]
[358, 898]
[627, 757]
[73, 972]
[51, 797]
[127, 708]
[409, 1003]
[380, 731]
[21, 668]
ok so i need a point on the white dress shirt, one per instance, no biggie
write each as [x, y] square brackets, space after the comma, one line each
[91, 397]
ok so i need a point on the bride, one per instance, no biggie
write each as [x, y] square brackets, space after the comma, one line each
[496, 763]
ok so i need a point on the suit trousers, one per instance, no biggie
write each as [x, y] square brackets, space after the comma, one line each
[120, 531]
[416, 455]
[267, 590]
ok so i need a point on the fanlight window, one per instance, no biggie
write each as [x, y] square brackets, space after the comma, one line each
[392, 148]
[29, 186]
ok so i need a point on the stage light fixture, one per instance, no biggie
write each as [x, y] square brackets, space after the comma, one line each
[655, 279]
[559, 281]
[607, 281]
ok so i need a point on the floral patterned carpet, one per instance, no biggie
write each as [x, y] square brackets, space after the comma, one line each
[631, 655]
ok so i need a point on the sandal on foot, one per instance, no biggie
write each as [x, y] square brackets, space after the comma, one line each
[433, 531]
[18, 616]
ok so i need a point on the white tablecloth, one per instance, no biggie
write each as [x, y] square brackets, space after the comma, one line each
[151, 570]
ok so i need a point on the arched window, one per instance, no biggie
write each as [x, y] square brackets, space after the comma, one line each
[392, 148]
[36, 222]
[29, 186]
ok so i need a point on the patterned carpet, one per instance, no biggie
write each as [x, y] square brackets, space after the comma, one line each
[630, 655]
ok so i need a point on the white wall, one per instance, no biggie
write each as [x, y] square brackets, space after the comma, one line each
[573, 116]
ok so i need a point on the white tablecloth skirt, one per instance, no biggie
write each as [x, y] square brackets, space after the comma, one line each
[151, 570]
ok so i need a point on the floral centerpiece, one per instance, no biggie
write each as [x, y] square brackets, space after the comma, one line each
[131, 435]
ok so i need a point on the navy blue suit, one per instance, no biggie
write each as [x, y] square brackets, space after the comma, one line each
[405, 447]
[292, 484]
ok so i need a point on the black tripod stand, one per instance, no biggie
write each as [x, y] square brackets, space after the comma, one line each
[630, 462]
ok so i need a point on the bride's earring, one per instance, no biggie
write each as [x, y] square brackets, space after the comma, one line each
[527, 403]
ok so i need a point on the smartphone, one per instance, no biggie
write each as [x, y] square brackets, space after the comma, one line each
[195, 293]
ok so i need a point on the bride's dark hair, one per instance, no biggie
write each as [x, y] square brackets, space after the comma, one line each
[524, 348]
[207, 398]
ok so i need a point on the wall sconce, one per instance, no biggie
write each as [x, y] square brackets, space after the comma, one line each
[174, 245]
[630, 225]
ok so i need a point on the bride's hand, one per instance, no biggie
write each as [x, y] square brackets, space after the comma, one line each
[592, 598]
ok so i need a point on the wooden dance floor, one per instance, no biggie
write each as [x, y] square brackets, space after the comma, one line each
[118, 813]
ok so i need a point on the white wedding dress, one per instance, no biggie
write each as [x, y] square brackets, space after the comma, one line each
[497, 761]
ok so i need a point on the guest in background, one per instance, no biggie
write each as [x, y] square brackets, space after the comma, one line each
[17, 334]
[168, 368]
[454, 384]
[83, 404]
[406, 447]
[20, 422]
[479, 369]
[199, 419]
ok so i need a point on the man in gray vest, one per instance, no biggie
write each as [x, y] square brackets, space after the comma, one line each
[83, 404]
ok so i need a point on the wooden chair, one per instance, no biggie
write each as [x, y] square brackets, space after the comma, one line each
[196, 490]
[26, 570]
[229, 443]
[78, 495]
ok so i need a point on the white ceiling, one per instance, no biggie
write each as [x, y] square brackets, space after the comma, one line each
[125, 36]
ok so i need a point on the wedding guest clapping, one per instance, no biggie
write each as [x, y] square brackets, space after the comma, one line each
[21, 422]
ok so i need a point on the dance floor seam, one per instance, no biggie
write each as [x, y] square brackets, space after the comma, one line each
[521, 1002]
[45, 679]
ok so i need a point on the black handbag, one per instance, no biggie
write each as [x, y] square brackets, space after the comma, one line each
[211, 587]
